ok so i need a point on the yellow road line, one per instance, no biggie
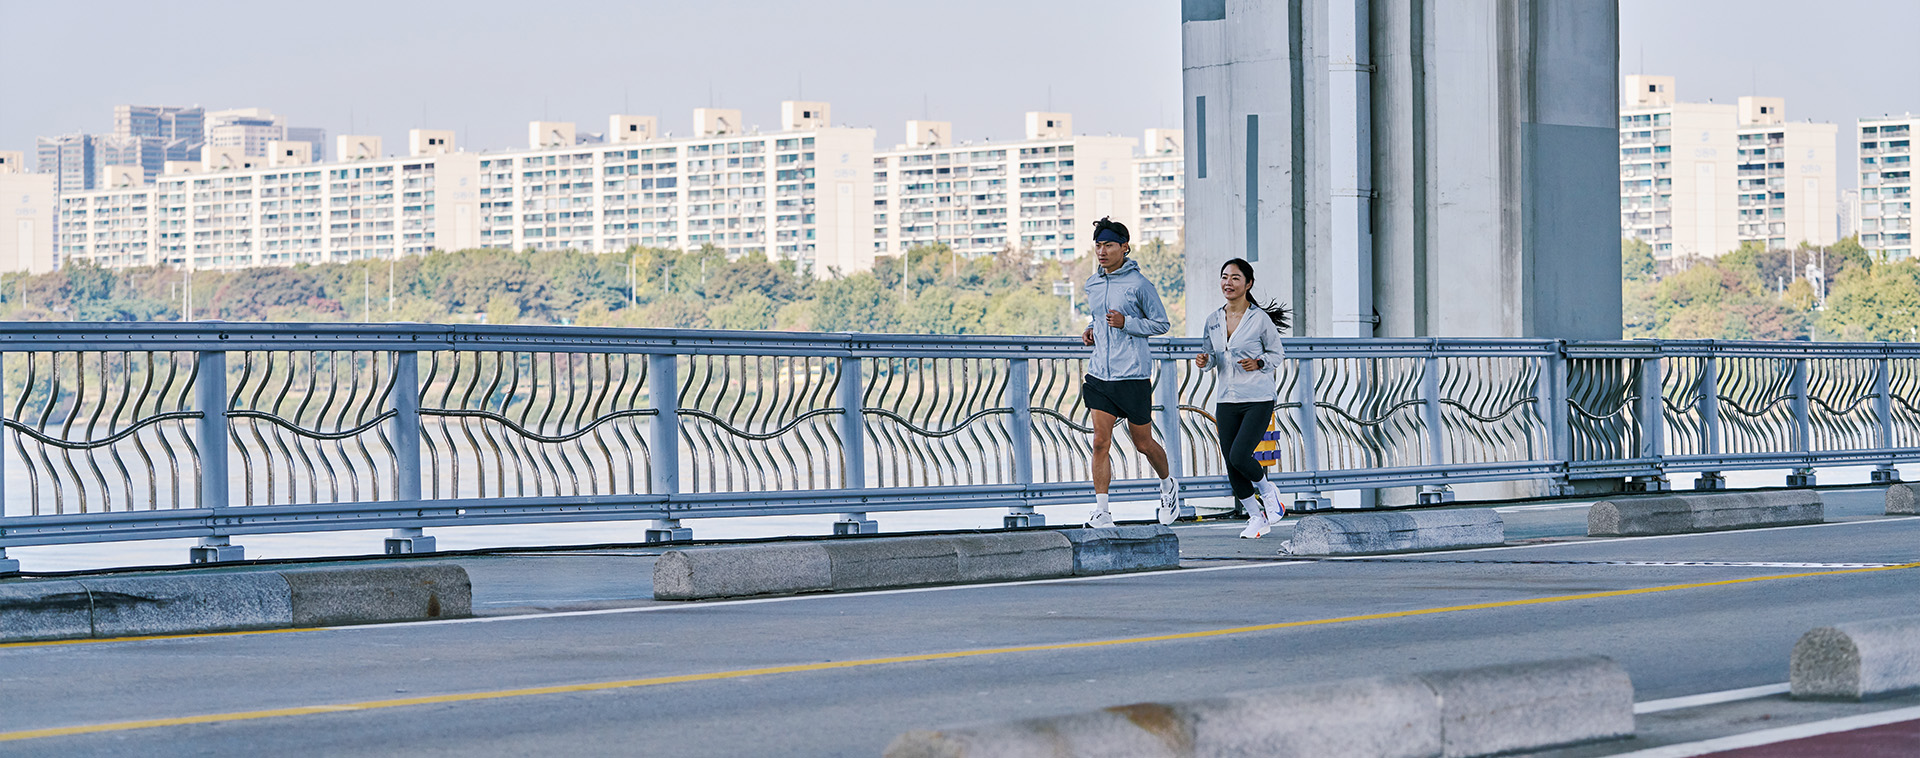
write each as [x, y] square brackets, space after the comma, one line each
[369, 705]
[184, 636]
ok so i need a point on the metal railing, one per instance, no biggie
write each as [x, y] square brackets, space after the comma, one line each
[214, 430]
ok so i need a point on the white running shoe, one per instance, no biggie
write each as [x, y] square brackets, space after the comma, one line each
[1100, 520]
[1257, 525]
[1169, 501]
[1270, 496]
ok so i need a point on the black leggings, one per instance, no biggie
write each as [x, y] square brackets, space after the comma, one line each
[1241, 425]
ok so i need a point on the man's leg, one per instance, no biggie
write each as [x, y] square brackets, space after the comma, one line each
[1102, 444]
[1102, 468]
[1144, 442]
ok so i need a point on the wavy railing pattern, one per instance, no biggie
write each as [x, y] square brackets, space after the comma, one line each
[938, 421]
[300, 423]
[1369, 412]
[1756, 404]
[104, 431]
[1490, 409]
[752, 423]
[502, 423]
[1601, 393]
[1840, 400]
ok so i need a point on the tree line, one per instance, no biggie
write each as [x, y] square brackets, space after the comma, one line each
[927, 290]
[1837, 292]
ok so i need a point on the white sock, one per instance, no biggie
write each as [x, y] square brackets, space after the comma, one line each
[1100, 502]
[1252, 505]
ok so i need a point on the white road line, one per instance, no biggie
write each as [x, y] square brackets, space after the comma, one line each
[821, 596]
[1781, 734]
[1612, 540]
[1709, 698]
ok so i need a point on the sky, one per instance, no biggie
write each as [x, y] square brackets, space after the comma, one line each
[485, 68]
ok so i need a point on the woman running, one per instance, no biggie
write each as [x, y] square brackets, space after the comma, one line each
[1245, 353]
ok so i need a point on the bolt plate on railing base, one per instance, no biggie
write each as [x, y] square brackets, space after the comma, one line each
[1710, 480]
[670, 531]
[1887, 475]
[216, 554]
[409, 545]
[864, 526]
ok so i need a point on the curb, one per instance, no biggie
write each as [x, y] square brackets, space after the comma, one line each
[1862, 660]
[1468, 712]
[1371, 533]
[190, 603]
[1684, 514]
[868, 563]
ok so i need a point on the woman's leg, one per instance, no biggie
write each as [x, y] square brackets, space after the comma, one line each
[1228, 420]
[1250, 423]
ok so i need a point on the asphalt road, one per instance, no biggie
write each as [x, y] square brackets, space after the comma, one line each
[843, 674]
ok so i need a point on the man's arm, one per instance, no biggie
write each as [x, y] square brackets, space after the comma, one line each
[1153, 316]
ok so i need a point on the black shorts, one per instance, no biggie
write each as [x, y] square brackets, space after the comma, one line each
[1131, 399]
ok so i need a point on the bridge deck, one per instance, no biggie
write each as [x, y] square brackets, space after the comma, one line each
[571, 658]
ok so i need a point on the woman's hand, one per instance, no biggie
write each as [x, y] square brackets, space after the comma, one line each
[1250, 364]
[1200, 360]
[1086, 337]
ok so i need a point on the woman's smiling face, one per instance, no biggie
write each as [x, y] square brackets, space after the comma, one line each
[1233, 284]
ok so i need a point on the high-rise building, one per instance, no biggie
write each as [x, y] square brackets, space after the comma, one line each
[1698, 179]
[1849, 212]
[1042, 193]
[26, 217]
[69, 158]
[1160, 176]
[167, 122]
[1886, 185]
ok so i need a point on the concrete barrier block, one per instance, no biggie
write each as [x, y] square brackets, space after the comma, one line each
[130, 606]
[1857, 661]
[873, 563]
[701, 573]
[56, 610]
[1388, 717]
[339, 595]
[1532, 706]
[1125, 548]
[1903, 500]
[1394, 532]
[1685, 513]
[1008, 556]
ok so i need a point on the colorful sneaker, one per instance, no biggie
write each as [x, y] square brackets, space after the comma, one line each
[1276, 505]
[1169, 501]
[1257, 525]
[1100, 520]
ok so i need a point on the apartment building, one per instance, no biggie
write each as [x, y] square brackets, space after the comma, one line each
[229, 211]
[1159, 179]
[27, 207]
[253, 129]
[796, 194]
[1042, 193]
[1886, 185]
[1697, 179]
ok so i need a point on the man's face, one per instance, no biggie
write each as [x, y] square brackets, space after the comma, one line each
[1110, 254]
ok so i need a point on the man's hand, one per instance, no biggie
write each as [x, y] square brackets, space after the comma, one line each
[1086, 337]
[1116, 319]
[1200, 360]
[1250, 364]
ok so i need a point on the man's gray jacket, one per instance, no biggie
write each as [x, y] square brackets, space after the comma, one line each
[1122, 353]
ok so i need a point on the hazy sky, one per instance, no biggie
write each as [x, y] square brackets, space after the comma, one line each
[486, 68]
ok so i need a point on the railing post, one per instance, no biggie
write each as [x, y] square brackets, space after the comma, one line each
[1653, 422]
[210, 396]
[406, 451]
[7, 565]
[1555, 398]
[853, 444]
[1303, 394]
[1709, 405]
[1802, 425]
[663, 396]
[1020, 429]
[1883, 415]
[1166, 394]
[1436, 435]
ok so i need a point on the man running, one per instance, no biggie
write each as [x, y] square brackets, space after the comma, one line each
[1126, 311]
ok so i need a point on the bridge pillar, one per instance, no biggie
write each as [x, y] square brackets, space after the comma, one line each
[210, 397]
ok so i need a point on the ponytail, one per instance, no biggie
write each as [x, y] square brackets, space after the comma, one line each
[1274, 310]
